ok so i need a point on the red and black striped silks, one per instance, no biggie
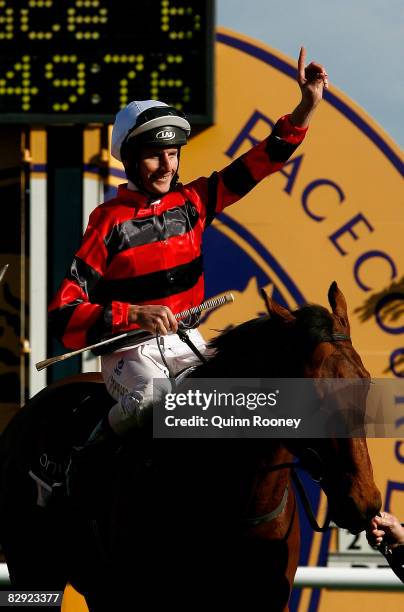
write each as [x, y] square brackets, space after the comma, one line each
[137, 252]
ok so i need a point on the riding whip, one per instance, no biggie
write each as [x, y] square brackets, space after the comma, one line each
[208, 305]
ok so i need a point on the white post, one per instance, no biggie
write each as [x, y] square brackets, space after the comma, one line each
[92, 196]
[38, 272]
[348, 578]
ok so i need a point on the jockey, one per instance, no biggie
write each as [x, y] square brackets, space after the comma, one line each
[140, 260]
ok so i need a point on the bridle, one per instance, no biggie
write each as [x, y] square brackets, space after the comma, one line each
[270, 516]
[293, 465]
[336, 337]
[309, 462]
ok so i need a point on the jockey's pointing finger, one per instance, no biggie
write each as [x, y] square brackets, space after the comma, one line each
[300, 65]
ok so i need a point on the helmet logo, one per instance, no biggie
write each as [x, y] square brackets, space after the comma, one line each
[165, 135]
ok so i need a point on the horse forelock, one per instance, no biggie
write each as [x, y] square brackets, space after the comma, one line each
[314, 324]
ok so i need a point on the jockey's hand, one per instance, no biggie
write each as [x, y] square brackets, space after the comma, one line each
[153, 318]
[312, 80]
[385, 525]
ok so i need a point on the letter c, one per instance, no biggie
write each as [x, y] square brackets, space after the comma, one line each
[372, 255]
[314, 185]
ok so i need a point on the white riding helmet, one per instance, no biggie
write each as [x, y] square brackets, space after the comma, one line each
[152, 123]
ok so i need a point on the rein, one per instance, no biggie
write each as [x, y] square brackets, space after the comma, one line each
[266, 518]
[182, 334]
[292, 465]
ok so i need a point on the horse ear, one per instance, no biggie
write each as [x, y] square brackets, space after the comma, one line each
[276, 310]
[338, 304]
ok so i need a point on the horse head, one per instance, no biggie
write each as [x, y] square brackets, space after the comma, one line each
[322, 349]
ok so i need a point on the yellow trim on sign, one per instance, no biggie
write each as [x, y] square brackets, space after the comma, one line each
[38, 148]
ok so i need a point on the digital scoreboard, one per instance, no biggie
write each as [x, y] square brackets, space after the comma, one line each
[80, 61]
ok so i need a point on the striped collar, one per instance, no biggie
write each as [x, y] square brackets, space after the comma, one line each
[134, 196]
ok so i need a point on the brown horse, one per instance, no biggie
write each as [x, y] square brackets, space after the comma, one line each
[201, 522]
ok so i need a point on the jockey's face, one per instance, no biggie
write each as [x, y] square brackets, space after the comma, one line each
[157, 167]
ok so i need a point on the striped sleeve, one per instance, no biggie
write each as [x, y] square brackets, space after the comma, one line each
[73, 318]
[227, 186]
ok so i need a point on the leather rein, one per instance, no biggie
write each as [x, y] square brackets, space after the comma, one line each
[270, 516]
[292, 465]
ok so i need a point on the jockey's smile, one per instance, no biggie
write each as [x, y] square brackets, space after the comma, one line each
[157, 167]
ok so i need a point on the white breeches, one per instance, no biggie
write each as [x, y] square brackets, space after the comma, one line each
[129, 373]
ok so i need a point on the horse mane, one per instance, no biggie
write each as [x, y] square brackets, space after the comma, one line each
[267, 339]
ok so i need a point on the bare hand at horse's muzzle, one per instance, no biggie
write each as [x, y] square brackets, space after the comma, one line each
[386, 526]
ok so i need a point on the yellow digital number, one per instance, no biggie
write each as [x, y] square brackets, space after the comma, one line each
[76, 83]
[6, 21]
[17, 82]
[136, 65]
[161, 79]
